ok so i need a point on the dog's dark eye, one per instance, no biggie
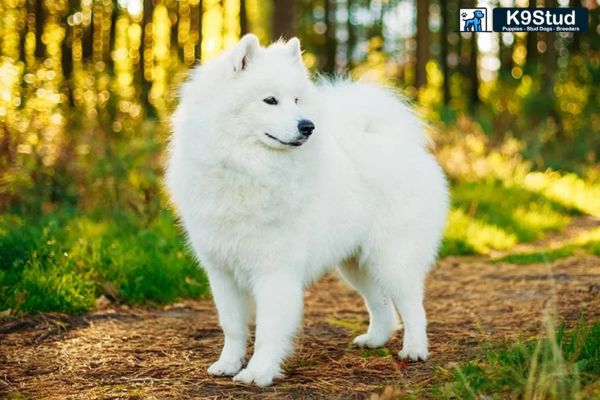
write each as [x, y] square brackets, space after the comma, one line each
[296, 100]
[271, 100]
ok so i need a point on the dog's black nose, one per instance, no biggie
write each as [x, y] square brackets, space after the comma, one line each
[306, 127]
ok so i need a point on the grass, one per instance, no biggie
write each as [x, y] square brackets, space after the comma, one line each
[64, 261]
[588, 243]
[563, 365]
[378, 352]
[567, 189]
[537, 257]
[493, 215]
[497, 199]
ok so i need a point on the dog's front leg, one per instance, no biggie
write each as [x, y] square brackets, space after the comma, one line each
[279, 302]
[233, 316]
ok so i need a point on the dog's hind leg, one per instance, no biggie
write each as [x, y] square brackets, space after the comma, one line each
[381, 312]
[401, 271]
[408, 298]
[405, 283]
[233, 310]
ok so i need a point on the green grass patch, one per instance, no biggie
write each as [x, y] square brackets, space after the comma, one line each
[564, 365]
[63, 262]
[493, 216]
[537, 257]
[593, 248]
[568, 189]
[379, 352]
[17, 396]
[588, 242]
[354, 327]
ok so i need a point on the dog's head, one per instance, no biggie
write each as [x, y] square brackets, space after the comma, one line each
[478, 14]
[268, 89]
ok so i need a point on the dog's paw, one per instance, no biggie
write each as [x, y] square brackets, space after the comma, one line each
[414, 353]
[261, 378]
[370, 341]
[224, 368]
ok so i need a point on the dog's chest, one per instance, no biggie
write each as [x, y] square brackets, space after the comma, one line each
[235, 215]
[231, 199]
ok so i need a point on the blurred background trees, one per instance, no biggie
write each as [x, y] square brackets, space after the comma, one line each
[86, 86]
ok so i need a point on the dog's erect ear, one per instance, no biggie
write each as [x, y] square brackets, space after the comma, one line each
[245, 51]
[293, 46]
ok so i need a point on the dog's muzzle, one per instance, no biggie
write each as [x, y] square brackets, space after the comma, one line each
[305, 129]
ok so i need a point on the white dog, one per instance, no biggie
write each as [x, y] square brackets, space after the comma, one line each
[277, 181]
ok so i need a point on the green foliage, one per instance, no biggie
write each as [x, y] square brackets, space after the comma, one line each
[537, 257]
[564, 365]
[588, 242]
[379, 352]
[17, 396]
[593, 247]
[64, 261]
[492, 215]
[555, 118]
[524, 214]
[567, 189]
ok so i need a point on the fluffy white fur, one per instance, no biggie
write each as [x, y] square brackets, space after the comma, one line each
[266, 219]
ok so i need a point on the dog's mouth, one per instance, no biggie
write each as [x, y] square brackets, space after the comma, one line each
[298, 142]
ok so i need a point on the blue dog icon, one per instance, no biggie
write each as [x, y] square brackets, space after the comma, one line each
[473, 24]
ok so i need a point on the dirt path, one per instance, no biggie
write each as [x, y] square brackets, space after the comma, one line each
[139, 353]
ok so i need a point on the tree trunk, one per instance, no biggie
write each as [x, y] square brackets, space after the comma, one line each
[243, 18]
[223, 24]
[40, 49]
[473, 71]
[87, 42]
[174, 28]
[506, 61]
[376, 29]
[550, 56]
[576, 42]
[283, 19]
[531, 45]
[146, 19]
[531, 50]
[470, 60]
[67, 63]
[114, 13]
[444, 51]
[422, 42]
[197, 20]
[330, 39]
[29, 27]
[351, 43]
